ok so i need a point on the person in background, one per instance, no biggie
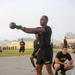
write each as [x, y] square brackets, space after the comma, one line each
[22, 47]
[59, 61]
[65, 42]
[35, 51]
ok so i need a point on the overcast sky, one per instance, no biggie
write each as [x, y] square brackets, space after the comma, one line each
[61, 14]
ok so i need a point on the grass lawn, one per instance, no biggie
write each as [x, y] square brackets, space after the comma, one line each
[15, 52]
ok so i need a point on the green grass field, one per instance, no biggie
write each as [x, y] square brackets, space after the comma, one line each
[6, 53]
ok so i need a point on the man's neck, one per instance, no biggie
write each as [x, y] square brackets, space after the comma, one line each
[44, 25]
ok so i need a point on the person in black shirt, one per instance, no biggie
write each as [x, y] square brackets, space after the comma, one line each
[22, 47]
[59, 61]
[45, 54]
[65, 42]
[35, 51]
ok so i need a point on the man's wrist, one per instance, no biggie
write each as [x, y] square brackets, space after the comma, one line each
[24, 28]
[62, 63]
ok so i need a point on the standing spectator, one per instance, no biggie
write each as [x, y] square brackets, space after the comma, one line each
[22, 47]
[65, 42]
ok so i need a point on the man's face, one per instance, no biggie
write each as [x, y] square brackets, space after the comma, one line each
[64, 50]
[43, 21]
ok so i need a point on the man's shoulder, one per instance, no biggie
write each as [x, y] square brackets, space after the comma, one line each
[35, 40]
[47, 26]
[68, 53]
[60, 52]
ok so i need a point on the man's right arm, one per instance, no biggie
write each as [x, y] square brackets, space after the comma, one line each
[32, 30]
[58, 62]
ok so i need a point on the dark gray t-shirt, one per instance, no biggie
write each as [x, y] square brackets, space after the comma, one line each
[45, 38]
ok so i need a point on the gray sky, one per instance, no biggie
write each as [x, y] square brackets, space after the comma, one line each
[61, 15]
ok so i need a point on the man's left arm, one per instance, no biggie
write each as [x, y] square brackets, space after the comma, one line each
[70, 59]
[70, 62]
[37, 52]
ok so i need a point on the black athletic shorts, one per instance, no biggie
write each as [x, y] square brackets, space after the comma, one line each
[22, 49]
[33, 54]
[45, 56]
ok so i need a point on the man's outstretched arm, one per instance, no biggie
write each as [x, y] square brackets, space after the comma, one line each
[32, 30]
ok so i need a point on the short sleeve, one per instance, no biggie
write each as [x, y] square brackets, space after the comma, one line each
[48, 29]
[58, 55]
[69, 57]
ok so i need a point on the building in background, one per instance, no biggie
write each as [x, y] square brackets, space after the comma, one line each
[8, 45]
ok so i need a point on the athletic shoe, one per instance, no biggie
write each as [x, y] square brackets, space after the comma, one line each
[33, 69]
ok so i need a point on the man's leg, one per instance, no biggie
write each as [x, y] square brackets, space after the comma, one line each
[56, 68]
[63, 71]
[39, 69]
[19, 53]
[49, 69]
[65, 68]
[23, 49]
[23, 53]
[32, 61]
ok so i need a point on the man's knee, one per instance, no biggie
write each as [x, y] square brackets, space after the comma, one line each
[48, 66]
[38, 68]
[31, 58]
[56, 67]
[49, 69]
